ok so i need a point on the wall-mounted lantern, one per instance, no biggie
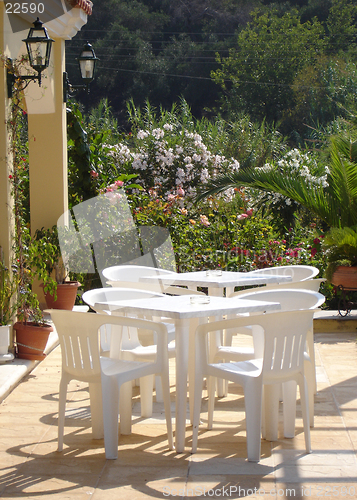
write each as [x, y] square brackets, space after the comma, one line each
[38, 45]
[87, 61]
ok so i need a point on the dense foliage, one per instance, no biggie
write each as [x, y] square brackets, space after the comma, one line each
[289, 62]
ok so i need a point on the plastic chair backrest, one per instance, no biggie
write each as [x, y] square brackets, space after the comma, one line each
[131, 273]
[97, 295]
[284, 339]
[279, 339]
[79, 340]
[78, 334]
[289, 299]
[130, 338]
[311, 284]
[297, 272]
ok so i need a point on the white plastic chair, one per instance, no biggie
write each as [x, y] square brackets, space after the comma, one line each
[290, 300]
[131, 347]
[78, 334]
[309, 284]
[279, 359]
[297, 272]
[128, 276]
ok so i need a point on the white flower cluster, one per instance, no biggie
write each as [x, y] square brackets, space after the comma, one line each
[119, 152]
[294, 164]
[167, 159]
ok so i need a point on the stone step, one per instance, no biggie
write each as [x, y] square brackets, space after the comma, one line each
[335, 323]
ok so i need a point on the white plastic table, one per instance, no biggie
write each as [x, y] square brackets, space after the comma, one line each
[216, 283]
[182, 311]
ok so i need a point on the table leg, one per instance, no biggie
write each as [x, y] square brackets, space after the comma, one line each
[192, 362]
[182, 349]
[220, 383]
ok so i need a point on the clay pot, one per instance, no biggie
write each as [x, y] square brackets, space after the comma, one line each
[345, 276]
[66, 296]
[31, 340]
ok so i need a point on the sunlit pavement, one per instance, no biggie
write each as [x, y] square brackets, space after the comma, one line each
[32, 468]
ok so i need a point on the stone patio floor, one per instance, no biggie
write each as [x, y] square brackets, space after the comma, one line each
[31, 467]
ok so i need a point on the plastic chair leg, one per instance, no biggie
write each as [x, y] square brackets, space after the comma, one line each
[253, 411]
[309, 375]
[125, 408]
[311, 351]
[164, 379]
[110, 392]
[305, 411]
[158, 389]
[271, 411]
[211, 385]
[289, 408]
[146, 392]
[61, 412]
[197, 400]
[96, 410]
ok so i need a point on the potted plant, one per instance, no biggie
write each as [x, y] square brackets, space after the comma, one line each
[32, 331]
[47, 263]
[340, 245]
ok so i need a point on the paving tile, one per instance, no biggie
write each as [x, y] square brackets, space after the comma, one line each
[236, 485]
[30, 466]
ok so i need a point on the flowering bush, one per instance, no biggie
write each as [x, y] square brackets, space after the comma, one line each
[215, 235]
[294, 165]
[170, 160]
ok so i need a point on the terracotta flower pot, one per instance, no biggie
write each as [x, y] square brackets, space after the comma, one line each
[31, 340]
[66, 296]
[345, 276]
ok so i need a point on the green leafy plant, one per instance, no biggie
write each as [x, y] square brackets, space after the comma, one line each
[340, 245]
[330, 193]
[45, 259]
[9, 282]
[27, 304]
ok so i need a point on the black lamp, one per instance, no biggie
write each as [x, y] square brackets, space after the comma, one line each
[86, 60]
[38, 45]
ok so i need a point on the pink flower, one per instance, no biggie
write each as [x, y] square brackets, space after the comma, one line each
[180, 191]
[94, 174]
[249, 212]
[204, 220]
[119, 183]
[242, 216]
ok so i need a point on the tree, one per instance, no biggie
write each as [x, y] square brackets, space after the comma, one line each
[341, 26]
[271, 50]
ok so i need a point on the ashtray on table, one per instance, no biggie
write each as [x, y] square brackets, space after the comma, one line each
[200, 299]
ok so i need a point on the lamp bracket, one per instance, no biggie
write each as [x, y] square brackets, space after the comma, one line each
[69, 89]
[11, 78]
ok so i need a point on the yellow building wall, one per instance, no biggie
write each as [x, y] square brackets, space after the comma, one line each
[48, 154]
[5, 163]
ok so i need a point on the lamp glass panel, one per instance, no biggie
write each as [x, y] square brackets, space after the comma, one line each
[38, 53]
[86, 65]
